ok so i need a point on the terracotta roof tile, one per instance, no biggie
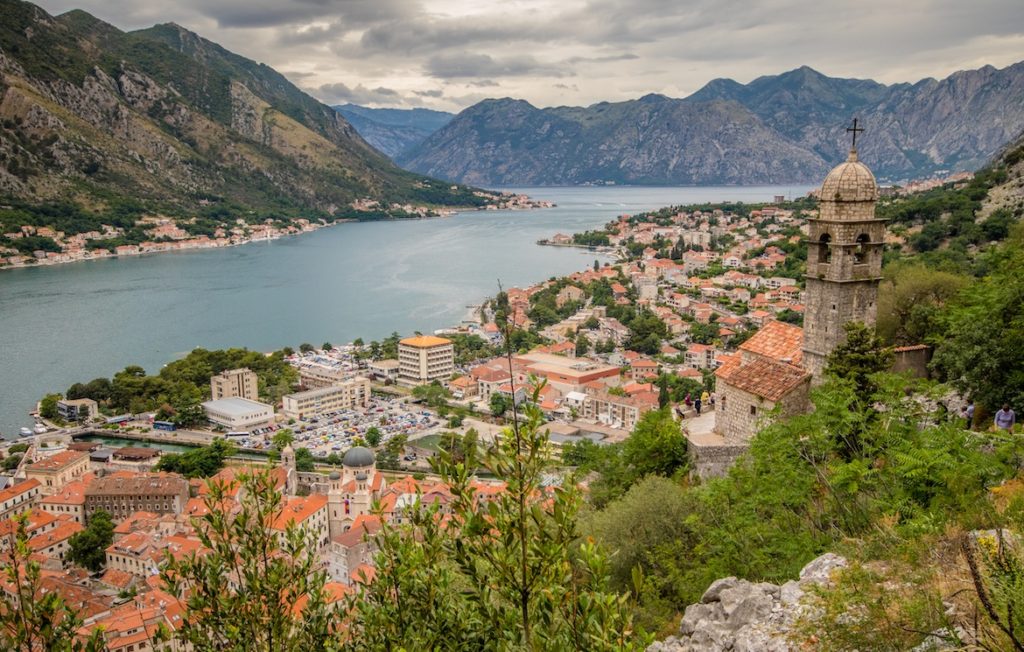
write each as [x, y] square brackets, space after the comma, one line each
[763, 377]
[777, 340]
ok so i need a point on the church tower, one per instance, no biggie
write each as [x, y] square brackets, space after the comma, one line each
[844, 259]
[288, 462]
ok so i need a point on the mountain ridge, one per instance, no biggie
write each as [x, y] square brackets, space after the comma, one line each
[915, 129]
[165, 119]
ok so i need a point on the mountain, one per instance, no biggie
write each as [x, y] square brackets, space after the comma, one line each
[164, 118]
[781, 128]
[392, 131]
[653, 140]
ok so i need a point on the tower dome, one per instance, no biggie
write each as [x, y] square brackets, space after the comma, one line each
[358, 456]
[851, 180]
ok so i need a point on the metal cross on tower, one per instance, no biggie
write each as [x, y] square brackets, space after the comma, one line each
[856, 130]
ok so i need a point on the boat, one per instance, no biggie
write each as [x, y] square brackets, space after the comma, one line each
[40, 429]
[25, 432]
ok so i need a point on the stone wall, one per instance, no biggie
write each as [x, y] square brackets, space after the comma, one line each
[913, 359]
[710, 461]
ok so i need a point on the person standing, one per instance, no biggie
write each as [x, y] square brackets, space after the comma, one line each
[1005, 418]
[969, 414]
[704, 398]
[696, 405]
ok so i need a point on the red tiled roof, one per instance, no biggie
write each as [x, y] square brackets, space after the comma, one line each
[778, 341]
[764, 377]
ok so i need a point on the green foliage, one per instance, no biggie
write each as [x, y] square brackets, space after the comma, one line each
[32, 618]
[984, 333]
[499, 404]
[656, 446]
[507, 573]
[255, 588]
[373, 436]
[433, 394]
[11, 462]
[646, 333]
[200, 462]
[304, 462]
[48, 406]
[911, 301]
[389, 457]
[88, 548]
[179, 389]
[861, 355]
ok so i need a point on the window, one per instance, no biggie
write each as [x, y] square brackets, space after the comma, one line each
[860, 254]
[825, 249]
[753, 410]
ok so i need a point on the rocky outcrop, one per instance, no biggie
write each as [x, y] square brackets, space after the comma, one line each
[740, 616]
[776, 129]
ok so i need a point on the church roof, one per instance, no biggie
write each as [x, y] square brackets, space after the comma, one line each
[358, 456]
[777, 340]
[851, 180]
[763, 377]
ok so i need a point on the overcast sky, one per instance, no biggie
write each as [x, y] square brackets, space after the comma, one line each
[448, 54]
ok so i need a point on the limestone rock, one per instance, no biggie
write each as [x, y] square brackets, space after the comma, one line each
[735, 615]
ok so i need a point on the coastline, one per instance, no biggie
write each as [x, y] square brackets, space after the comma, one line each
[65, 258]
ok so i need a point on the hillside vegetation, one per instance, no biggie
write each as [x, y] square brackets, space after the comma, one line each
[163, 120]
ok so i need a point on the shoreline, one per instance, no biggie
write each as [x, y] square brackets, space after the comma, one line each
[314, 226]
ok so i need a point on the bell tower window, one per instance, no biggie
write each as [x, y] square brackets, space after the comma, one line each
[824, 249]
[860, 254]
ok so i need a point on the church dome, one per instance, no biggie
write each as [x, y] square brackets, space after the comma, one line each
[334, 475]
[358, 456]
[851, 180]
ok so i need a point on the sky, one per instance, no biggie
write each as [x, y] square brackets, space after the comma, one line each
[449, 54]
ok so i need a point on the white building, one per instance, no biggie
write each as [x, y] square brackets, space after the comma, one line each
[314, 402]
[239, 413]
[425, 358]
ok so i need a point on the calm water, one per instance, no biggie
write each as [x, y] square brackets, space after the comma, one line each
[70, 323]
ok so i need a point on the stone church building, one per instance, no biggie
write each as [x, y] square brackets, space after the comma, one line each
[779, 364]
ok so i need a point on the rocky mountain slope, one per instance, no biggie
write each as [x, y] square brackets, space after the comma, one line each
[168, 119]
[392, 131]
[782, 128]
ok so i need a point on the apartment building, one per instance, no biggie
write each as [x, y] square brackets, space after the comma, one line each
[235, 383]
[425, 358]
[314, 402]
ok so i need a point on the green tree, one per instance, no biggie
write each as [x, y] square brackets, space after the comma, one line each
[373, 436]
[306, 347]
[656, 446]
[254, 587]
[499, 404]
[31, 617]
[201, 462]
[304, 461]
[327, 346]
[859, 357]
[911, 301]
[48, 406]
[88, 548]
[582, 344]
[980, 352]
[283, 438]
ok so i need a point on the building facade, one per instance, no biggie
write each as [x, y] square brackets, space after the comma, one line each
[235, 383]
[239, 413]
[425, 358]
[57, 470]
[82, 409]
[844, 260]
[314, 402]
[122, 494]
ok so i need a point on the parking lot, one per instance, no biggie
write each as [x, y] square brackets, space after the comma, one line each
[333, 432]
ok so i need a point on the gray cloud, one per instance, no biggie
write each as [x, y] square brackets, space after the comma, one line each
[339, 92]
[475, 64]
[360, 50]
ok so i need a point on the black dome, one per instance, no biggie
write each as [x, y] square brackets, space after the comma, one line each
[358, 456]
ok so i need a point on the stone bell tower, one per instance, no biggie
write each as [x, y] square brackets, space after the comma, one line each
[844, 259]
